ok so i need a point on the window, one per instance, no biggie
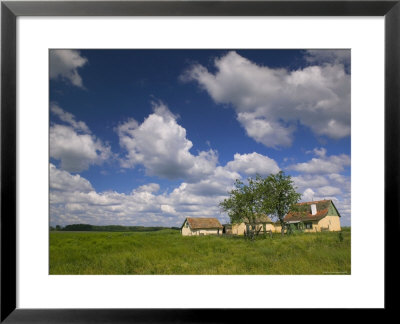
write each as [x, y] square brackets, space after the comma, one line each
[308, 225]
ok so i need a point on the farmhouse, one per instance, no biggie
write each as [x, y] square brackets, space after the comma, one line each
[201, 226]
[317, 216]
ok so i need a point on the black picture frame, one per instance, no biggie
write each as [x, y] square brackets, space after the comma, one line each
[10, 10]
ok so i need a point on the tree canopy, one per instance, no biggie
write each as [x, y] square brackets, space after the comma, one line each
[274, 195]
[243, 202]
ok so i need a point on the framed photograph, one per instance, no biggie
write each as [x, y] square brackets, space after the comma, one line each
[161, 159]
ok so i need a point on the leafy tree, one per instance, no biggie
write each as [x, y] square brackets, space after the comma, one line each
[278, 195]
[274, 195]
[243, 203]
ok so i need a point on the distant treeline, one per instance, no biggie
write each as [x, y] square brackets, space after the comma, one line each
[108, 228]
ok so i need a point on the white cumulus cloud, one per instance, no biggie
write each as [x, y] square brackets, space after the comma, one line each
[64, 65]
[168, 209]
[161, 146]
[73, 200]
[338, 56]
[150, 187]
[64, 181]
[329, 191]
[74, 145]
[69, 118]
[323, 164]
[310, 180]
[253, 163]
[269, 101]
[308, 195]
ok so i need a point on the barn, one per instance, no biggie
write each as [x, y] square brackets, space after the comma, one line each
[201, 226]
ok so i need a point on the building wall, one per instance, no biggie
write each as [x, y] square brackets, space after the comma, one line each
[238, 229]
[270, 227]
[187, 231]
[332, 210]
[333, 222]
[314, 228]
[208, 232]
[277, 228]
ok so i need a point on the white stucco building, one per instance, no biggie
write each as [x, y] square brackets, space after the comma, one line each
[201, 226]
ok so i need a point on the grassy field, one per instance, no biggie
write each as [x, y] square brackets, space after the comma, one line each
[167, 252]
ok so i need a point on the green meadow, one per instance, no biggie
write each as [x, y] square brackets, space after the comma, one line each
[168, 252]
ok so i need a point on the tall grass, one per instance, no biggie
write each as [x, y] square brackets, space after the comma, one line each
[168, 252]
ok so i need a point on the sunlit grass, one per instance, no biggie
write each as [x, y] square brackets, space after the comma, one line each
[168, 252]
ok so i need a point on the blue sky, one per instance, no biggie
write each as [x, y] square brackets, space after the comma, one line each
[149, 137]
